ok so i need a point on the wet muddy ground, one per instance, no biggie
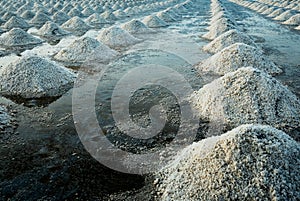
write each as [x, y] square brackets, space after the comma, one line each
[45, 160]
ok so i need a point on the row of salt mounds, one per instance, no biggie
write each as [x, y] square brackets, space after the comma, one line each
[52, 31]
[18, 38]
[16, 22]
[252, 162]
[294, 20]
[236, 56]
[226, 39]
[76, 25]
[153, 21]
[85, 49]
[136, 27]
[115, 37]
[35, 77]
[247, 96]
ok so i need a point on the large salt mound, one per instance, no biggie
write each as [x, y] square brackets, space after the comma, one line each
[236, 56]
[248, 96]
[251, 162]
[226, 39]
[294, 20]
[16, 22]
[116, 37]
[76, 25]
[52, 30]
[136, 27]
[153, 21]
[219, 27]
[35, 77]
[40, 19]
[18, 38]
[85, 49]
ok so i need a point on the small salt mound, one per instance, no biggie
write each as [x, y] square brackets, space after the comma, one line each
[40, 19]
[153, 21]
[120, 14]
[35, 77]
[75, 13]
[88, 11]
[136, 27]
[8, 15]
[16, 22]
[76, 24]
[219, 27]
[252, 162]
[226, 39]
[116, 37]
[28, 15]
[294, 20]
[52, 30]
[248, 95]
[96, 20]
[284, 16]
[60, 17]
[109, 16]
[298, 27]
[236, 56]
[18, 38]
[269, 11]
[84, 49]
[165, 16]
[276, 13]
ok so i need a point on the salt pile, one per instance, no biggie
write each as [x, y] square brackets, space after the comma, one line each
[8, 15]
[40, 19]
[236, 56]
[253, 162]
[165, 16]
[60, 17]
[276, 12]
[246, 96]
[88, 11]
[76, 25]
[116, 37]
[219, 27]
[136, 27]
[75, 12]
[28, 15]
[153, 21]
[226, 39]
[284, 16]
[85, 49]
[294, 20]
[16, 22]
[52, 30]
[109, 16]
[35, 77]
[96, 20]
[298, 27]
[18, 38]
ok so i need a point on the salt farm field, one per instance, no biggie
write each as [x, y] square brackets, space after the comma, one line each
[149, 100]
